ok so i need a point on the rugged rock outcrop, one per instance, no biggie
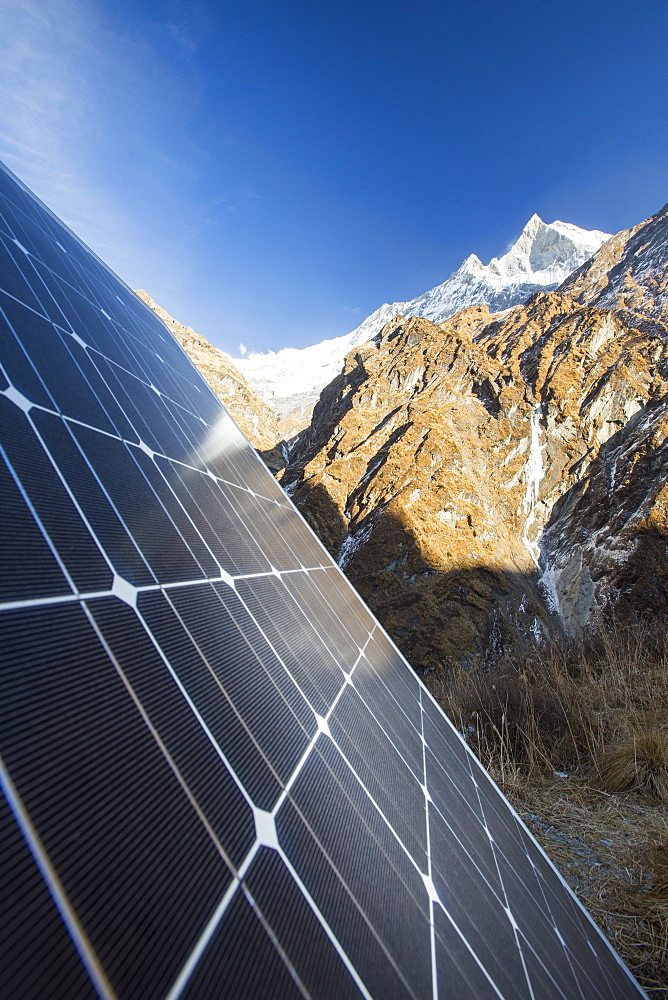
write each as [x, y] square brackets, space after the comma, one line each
[502, 473]
[251, 413]
[629, 276]
[607, 537]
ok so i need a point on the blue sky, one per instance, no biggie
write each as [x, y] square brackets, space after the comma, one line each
[271, 171]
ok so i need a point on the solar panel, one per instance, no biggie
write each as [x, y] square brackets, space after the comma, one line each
[221, 778]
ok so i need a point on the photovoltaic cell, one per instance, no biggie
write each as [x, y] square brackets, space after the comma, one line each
[30, 925]
[296, 928]
[242, 955]
[220, 777]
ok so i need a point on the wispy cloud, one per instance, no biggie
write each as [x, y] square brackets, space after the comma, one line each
[232, 201]
[188, 23]
[70, 86]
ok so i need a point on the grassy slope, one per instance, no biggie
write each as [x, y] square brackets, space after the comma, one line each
[577, 736]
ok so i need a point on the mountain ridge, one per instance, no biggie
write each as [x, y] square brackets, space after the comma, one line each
[290, 380]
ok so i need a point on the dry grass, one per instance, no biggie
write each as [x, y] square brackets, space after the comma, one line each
[561, 707]
[659, 873]
[577, 736]
[639, 763]
[606, 847]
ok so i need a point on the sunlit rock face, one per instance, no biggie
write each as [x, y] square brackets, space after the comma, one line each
[630, 276]
[249, 411]
[496, 475]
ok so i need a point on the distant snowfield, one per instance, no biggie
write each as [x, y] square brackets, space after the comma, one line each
[294, 371]
[543, 257]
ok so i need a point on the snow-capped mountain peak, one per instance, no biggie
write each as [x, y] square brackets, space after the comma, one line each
[543, 254]
[540, 259]
[471, 265]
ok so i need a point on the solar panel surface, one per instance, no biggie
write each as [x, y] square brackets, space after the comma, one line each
[221, 778]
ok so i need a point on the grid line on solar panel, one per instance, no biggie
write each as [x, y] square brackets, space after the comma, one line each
[94, 819]
[386, 778]
[390, 715]
[324, 727]
[577, 913]
[243, 960]
[186, 972]
[156, 734]
[235, 667]
[374, 806]
[350, 886]
[459, 970]
[18, 368]
[53, 502]
[249, 857]
[313, 666]
[428, 875]
[32, 545]
[176, 660]
[177, 403]
[214, 791]
[37, 387]
[68, 265]
[488, 928]
[102, 515]
[293, 778]
[416, 866]
[559, 983]
[93, 459]
[458, 835]
[276, 943]
[275, 893]
[324, 924]
[263, 838]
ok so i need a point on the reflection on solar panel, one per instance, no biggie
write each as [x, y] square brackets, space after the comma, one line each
[221, 778]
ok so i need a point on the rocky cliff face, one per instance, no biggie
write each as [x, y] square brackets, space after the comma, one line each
[629, 276]
[255, 419]
[501, 473]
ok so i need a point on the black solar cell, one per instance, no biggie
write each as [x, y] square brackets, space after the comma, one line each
[24, 547]
[31, 927]
[242, 961]
[298, 931]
